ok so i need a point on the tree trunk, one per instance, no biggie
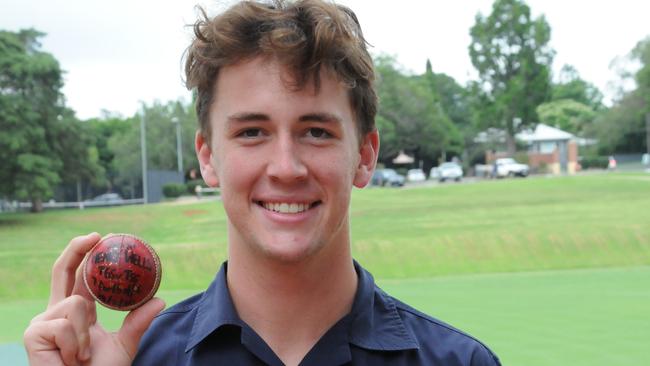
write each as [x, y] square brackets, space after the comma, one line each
[37, 204]
[647, 132]
[512, 146]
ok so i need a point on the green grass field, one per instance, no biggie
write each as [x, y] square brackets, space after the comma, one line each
[546, 271]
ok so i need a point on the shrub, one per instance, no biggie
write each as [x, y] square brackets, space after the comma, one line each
[521, 157]
[542, 168]
[590, 162]
[173, 190]
[192, 184]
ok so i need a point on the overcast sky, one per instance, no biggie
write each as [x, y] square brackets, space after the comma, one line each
[120, 52]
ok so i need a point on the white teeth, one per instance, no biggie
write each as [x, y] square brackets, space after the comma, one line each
[286, 207]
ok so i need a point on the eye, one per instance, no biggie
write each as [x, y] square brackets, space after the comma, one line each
[318, 133]
[251, 133]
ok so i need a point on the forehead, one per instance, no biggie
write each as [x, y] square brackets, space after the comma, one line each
[263, 85]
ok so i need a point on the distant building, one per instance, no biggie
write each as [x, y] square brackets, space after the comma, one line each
[549, 149]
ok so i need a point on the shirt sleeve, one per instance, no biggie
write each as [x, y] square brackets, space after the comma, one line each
[482, 356]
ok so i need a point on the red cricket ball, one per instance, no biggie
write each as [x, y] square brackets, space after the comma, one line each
[122, 272]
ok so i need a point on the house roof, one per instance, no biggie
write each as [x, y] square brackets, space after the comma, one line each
[544, 132]
[402, 158]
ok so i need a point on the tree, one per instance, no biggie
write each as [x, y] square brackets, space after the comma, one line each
[642, 53]
[124, 144]
[455, 101]
[452, 97]
[41, 142]
[510, 51]
[103, 128]
[566, 114]
[78, 153]
[410, 116]
[571, 86]
[623, 127]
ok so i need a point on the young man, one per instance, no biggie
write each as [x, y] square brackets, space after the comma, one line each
[286, 107]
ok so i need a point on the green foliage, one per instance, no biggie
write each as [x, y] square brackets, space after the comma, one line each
[190, 186]
[566, 114]
[510, 51]
[521, 157]
[594, 162]
[124, 142]
[571, 86]
[102, 130]
[452, 97]
[173, 190]
[641, 53]
[42, 143]
[410, 116]
[622, 128]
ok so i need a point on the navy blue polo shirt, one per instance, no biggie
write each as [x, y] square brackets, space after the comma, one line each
[379, 330]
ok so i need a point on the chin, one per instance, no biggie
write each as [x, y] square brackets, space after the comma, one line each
[295, 252]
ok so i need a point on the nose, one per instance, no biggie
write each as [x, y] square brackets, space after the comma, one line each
[286, 164]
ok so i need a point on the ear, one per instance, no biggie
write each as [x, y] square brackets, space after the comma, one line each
[204, 154]
[368, 153]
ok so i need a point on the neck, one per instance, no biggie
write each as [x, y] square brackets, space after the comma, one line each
[292, 305]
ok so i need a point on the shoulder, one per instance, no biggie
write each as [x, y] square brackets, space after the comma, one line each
[441, 341]
[168, 333]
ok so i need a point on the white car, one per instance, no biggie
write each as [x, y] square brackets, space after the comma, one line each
[415, 175]
[508, 167]
[447, 171]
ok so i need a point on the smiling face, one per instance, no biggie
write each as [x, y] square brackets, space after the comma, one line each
[286, 161]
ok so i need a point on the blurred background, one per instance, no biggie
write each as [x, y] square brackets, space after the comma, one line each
[510, 200]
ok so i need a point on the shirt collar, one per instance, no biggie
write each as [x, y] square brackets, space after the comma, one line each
[374, 321]
[376, 324]
[214, 310]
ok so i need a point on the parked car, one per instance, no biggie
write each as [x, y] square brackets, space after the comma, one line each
[107, 197]
[508, 167]
[447, 171]
[415, 175]
[387, 177]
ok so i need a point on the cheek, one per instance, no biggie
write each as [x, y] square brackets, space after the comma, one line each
[236, 170]
[337, 169]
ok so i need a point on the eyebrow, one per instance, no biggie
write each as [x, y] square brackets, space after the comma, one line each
[248, 117]
[261, 117]
[320, 117]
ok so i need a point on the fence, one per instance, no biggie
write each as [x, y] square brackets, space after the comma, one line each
[15, 206]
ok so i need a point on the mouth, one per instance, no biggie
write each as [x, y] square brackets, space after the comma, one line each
[288, 207]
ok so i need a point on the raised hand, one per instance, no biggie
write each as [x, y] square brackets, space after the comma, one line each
[68, 332]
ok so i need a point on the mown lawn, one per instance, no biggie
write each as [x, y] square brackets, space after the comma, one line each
[546, 271]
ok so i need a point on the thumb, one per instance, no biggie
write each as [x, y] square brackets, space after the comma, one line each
[136, 323]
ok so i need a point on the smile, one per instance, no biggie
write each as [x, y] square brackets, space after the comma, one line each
[286, 207]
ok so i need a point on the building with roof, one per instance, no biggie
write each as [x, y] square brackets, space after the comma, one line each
[549, 149]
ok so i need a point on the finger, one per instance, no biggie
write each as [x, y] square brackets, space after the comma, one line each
[65, 267]
[136, 323]
[45, 339]
[81, 314]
